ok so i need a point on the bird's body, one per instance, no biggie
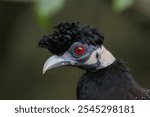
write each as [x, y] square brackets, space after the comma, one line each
[82, 46]
[111, 83]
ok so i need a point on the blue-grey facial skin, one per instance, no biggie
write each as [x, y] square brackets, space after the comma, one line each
[87, 60]
[92, 58]
[79, 60]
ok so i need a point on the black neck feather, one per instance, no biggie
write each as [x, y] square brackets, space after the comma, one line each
[113, 82]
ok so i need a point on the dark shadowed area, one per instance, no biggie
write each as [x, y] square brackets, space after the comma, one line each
[127, 36]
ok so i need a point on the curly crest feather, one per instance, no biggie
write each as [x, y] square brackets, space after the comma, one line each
[65, 34]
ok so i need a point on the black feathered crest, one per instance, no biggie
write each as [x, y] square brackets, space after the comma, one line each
[65, 34]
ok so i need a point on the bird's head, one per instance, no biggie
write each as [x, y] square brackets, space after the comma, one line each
[73, 44]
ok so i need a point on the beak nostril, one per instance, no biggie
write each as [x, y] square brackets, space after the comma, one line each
[97, 55]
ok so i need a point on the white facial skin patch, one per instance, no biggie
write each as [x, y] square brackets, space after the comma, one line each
[104, 57]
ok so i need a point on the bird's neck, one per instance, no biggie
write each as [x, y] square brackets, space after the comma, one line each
[113, 82]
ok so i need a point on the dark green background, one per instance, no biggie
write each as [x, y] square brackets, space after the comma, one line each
[127, 36]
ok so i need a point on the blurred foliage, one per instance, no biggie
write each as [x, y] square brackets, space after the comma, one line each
[127, 36]
[121, 5]
[45, 9]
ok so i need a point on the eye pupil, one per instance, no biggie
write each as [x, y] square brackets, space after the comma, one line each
[79, 50]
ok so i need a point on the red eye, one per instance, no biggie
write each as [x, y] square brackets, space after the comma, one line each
[79, 50]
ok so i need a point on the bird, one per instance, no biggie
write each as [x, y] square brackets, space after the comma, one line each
[106, 77]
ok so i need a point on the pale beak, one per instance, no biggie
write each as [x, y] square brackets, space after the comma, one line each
[54, 62]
